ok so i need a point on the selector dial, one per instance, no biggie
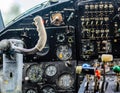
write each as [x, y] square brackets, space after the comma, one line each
[64, 52]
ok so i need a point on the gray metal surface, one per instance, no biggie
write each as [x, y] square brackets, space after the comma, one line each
[12, 71]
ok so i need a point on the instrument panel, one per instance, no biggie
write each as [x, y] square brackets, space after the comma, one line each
[78, 32]
[50, 77]
[98, 28]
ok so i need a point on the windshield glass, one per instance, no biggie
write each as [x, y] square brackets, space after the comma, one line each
[31, 10]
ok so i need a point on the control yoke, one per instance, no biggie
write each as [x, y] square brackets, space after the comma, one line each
[38, 21]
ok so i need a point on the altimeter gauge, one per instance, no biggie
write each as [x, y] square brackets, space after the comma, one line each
[35, 72]
[65, 81]
[51, 70]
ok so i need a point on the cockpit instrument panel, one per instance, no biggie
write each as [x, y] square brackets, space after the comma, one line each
[78, 32]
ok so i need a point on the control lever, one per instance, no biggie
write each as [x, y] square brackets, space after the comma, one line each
[97, 78]
[85, 69]
[41, 41]
[70, 16]
[105, 58]
[116, 69]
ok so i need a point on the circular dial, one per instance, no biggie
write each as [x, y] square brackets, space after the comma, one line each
[88, 48]
[60, 37]
[51, 70]
[48, 89]
[65, 81]
[35, 72]
[44, 51]
[31, 91]
[64, 52]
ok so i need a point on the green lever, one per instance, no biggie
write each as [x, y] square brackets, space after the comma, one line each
[116, 69]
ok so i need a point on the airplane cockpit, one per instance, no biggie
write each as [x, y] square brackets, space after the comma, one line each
[62, 46]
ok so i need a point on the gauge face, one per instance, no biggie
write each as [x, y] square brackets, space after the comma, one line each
[64, 52]
[44, 51]
[48, 89]
[65, 81]
[31, 91]
[34, 73]
[60, 37]
[51, 70]
[88, 48]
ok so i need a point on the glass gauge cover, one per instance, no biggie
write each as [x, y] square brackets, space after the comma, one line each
[31, 91]
[35, 72]
[61, 37]
[65, 81]
[51, 70]
[48, 89]
[64, 52]
[88, 48]
[44, 51]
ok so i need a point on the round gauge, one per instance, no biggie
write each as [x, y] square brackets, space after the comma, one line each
[31, 91]
[65, 81]
[64, 52]
[35, 73]
[60, 37]
[48, 89]
[51, 70]
[88, 48]
[44, 51]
